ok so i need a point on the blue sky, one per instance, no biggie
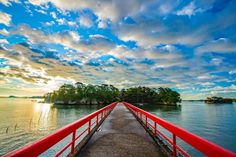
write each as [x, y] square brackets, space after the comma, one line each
[189, 46]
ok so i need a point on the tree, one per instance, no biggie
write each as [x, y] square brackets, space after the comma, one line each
[80, 91]
[168, 96]
[105, 94]
[150, 95]
[66, 93]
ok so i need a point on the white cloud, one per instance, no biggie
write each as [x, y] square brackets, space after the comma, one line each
[4, 31]
[165, 8]
[61, 21]
[8, 2]
[230, 88]
[189, 10]
[148, 30]
[85, 21]
[151, 32]
[204, 77]
[74, 36]
[102, 24]
[207, 83]
[221, 45]
[169, 48]
[50, 23]
[41, 11]
[232, 72]
[216, 61]
[5, 18]
[54, 15]
[5, 2]
[37, 2]
[71, 23]
[3, 41]
[102, 8]
[95, 45]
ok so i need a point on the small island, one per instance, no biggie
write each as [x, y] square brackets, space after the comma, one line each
[82, 94]
[12, 96]
[218, 100]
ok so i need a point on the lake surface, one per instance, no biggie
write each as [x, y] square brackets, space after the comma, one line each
[24, 120]
[214, 122]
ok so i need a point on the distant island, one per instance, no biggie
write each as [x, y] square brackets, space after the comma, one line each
[25, 97]
[218, 100]
[82, 94]
[12, 96]
[194, 100]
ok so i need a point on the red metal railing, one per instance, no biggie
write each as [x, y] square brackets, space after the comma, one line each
[42, 145]
[206, 147]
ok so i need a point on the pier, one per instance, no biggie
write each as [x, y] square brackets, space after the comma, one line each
[121, 135]
[119, 129]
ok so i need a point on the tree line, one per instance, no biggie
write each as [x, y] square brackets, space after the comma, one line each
[104, 94]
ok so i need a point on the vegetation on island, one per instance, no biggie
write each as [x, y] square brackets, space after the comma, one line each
[150, 95]
[24, 97]
[105, 94]
[218, 100]
[12, 96]
[83, 94]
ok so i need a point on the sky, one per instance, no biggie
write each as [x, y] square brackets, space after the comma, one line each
[188, 46]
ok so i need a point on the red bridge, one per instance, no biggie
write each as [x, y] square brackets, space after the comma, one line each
[120, 129]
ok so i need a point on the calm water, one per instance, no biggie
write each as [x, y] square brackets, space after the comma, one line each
[214, 122]
[24, 120]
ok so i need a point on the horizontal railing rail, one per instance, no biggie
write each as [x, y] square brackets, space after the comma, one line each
[206, 147]
[40, 146]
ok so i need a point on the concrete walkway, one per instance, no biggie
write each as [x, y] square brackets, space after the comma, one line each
[121, 135]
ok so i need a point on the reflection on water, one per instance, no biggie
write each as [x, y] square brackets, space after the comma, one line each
[23, 120]
[160, 108]
[214, 122]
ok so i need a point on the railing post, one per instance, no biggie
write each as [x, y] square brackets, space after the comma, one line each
[146, 121]
[89, 127]
[97, 119]
[174, 145]
[73, 142]
[155, 129]
[141, 116]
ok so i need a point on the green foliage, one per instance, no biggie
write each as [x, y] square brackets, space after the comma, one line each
[83, 94]
[218, 100]
[168, 96]
[104, 94]
[151, 95]
[139, 94]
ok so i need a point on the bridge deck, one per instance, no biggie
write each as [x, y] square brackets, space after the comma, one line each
[121, 135]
